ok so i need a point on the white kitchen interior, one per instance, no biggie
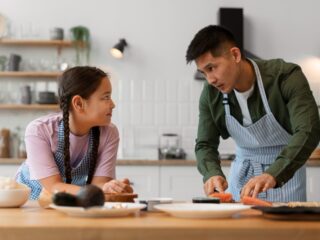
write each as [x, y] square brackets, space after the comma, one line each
[154, 89]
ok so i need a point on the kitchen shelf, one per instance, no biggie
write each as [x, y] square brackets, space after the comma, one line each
[37, 43]
[30, 74]
[4, 161]
[29, 106]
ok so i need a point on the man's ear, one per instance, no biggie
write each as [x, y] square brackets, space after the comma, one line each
[236, 54]
[78, 103]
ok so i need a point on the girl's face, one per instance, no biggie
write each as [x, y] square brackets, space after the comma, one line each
[99, 106]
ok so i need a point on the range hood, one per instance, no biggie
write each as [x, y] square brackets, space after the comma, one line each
[232, 19]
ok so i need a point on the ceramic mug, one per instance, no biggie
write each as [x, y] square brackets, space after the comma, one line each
[14, 62]
[25, 92]
[56, 34]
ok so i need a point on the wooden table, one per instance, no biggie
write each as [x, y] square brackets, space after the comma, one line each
[32, 222]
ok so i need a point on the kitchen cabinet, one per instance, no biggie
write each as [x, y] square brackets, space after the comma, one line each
[313, 180]
[145, 180]
[182, 182]
[178, 181]
[185, 182]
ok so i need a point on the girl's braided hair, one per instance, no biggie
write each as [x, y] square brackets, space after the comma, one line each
[82, 81]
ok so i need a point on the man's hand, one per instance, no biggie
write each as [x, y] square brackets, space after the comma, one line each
[117, 186]
[217, 183]
[258, 184]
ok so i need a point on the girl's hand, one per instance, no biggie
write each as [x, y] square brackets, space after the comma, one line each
[117, 186]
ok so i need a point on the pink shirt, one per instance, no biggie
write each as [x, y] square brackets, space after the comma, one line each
[41, 140]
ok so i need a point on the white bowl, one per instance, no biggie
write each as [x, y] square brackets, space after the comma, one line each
[14, 197]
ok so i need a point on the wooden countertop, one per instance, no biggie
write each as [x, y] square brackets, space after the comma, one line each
[33, 223]
[314, 162]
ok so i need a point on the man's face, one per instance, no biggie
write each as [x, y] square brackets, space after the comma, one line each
[221, 72]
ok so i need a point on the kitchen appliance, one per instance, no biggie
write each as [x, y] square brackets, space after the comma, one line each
[169, 147]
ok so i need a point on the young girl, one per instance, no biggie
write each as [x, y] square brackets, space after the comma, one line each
[78, 146]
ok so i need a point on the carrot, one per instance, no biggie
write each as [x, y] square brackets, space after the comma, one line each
[224, 197]
[255, 201]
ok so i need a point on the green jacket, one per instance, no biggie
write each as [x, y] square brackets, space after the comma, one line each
[291, 102]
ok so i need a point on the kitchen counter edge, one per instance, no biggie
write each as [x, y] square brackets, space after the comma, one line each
[315, 162]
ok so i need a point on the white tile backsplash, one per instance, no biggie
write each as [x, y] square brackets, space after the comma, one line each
[160, 114]
[183, 114]
[148, 108]
[148, 114]
[171, 113]
[194, 113]
[148, 90]
[136, 90]
[172, 91]
[124, 113]
[136, 113]
[160, 90]
[184, 91]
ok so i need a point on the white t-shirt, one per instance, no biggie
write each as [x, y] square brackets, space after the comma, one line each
[242, 98]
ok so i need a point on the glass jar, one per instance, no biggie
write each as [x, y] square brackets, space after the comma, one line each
[22, 152]
[4, 143]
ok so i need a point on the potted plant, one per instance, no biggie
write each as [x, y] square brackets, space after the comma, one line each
[81, 41]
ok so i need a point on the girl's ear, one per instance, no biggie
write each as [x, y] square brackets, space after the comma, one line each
[236, 53]
[78, 103]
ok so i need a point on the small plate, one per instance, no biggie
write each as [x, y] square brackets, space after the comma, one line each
[194, 210]
[108, 210]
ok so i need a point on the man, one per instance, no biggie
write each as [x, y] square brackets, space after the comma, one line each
[267, 107]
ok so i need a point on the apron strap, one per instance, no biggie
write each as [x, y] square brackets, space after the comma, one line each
[261, 88]
[77, 177]
[263, 95]
[225, 103]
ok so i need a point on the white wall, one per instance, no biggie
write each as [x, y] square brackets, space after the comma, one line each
[153, 87]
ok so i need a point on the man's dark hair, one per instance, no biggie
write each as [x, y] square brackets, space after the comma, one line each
[211, 38]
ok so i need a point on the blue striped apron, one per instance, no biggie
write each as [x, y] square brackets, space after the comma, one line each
[79, 173]
[258, 145]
